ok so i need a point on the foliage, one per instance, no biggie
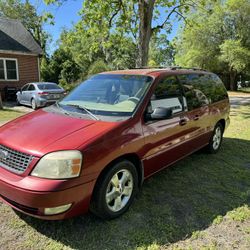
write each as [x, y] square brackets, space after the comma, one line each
[28, 15]
[217, 38]
[60, 67]
[128, 19]
[98, 67]
[161, 51]
[235, 55]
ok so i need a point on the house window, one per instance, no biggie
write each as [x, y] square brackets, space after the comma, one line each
[8, 69]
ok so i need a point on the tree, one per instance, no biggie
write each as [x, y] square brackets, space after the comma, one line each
[60, 67]
[217, 38]
[28, 15]
[236, 57]
[129, 18]
[161, 51]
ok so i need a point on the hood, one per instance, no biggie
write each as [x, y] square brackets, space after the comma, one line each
[41, 132]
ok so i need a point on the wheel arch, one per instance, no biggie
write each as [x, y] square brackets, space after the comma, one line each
[132, 157]
[223, 123]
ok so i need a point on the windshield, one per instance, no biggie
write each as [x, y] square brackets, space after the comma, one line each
[44, 86]
[109, 95]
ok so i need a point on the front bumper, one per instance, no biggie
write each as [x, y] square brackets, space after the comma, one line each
[34, 202]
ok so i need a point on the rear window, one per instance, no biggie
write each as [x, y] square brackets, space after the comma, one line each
[48, 86]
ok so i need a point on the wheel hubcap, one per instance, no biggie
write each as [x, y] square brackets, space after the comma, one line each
[119, 190]
[217, 138]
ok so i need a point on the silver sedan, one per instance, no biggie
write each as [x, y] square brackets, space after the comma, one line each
[39, 94]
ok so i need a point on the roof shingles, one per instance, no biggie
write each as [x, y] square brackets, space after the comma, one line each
[14, 37]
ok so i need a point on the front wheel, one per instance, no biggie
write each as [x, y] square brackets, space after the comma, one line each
[115, 190]
[17, 102]
[216, 139]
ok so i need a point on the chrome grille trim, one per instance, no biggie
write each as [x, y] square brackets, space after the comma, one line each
[16, 162]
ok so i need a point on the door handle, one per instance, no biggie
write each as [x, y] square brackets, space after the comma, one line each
[196, 117]
[183, 122]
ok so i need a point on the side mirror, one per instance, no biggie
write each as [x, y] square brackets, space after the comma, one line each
[160, 113]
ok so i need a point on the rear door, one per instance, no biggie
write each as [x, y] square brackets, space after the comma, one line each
[197, 102]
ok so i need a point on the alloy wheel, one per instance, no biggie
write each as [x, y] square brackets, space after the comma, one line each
[217, 138]
[119, 190]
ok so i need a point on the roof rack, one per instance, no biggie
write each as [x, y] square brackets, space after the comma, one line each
[171, 68]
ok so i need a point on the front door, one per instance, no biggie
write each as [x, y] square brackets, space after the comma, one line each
[23, 94]
[165, 139]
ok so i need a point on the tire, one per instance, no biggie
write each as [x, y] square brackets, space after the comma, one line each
[33, 104]
[112, 197]
[216, 139]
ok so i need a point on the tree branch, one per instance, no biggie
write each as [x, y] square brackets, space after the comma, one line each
[170, 14]
[120, 5]
[184, 18]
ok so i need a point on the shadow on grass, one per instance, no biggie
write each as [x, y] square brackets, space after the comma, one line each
[172, 204]
[8, 110]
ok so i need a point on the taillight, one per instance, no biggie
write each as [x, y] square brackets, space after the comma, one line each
[43, 93]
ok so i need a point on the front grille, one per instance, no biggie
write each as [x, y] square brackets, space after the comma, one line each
[13, 160]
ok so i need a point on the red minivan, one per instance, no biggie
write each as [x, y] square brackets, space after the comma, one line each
[93, 149]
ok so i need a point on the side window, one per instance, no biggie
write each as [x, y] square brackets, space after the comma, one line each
[11, 69]
[168, 94]
[31, 87]
[219, 91]
[25, 87]
[8, 69]
[195, 90]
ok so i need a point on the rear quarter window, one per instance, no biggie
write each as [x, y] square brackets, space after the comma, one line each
[219, 91]
[210, 86]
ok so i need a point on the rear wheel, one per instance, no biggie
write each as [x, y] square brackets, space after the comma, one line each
[115, 191]
[33, 104]
[216, 139]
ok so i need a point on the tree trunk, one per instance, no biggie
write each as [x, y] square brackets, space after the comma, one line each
[146, 8]
[1, 103]
[233, 83]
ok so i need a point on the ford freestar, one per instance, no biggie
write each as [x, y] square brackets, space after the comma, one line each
[93, 149]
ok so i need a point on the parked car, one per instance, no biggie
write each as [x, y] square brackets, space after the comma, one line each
[39, 94]
[93, 149]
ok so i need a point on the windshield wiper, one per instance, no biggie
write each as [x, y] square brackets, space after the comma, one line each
[85, 109]
[63, 110]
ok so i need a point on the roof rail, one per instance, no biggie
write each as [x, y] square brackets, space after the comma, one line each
[170, 67]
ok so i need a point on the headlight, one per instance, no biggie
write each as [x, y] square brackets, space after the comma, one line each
[59, 165]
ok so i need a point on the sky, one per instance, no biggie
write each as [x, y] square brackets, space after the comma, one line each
[67, 14]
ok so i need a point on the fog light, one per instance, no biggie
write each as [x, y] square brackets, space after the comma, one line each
[56, 210]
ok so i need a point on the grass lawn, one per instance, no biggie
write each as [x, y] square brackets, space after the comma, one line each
[9, 114]
[245, 90]
[202, 202]
[240, 92]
